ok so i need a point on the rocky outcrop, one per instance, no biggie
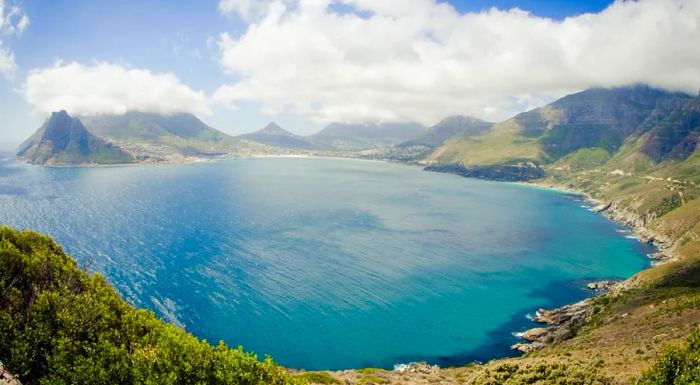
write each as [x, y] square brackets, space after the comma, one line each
[564, 322]
[7, 378]
[605, 285]
[638, 223]
[417, 368]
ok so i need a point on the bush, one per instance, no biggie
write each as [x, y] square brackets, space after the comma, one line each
[318, 378]
[676, 366]
[60, 325]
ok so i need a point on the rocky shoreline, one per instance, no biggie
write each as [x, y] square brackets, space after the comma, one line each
[562, 323]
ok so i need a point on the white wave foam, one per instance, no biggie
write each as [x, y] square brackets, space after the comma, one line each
[402, 367]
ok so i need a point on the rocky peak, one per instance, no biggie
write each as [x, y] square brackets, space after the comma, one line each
[62, 129]
[273, 129]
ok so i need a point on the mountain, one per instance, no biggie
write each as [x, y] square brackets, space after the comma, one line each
[64, 140]
[344, 136]
[449, 128]
[161, 137]
[274, 135]
[601, 119]
[675, 136]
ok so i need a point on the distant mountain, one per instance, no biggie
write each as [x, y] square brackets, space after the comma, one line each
[64, 140]
[156, 137]
[274, 135]
[452, 127]
[597, 118]
[131, 137]
[344, 136]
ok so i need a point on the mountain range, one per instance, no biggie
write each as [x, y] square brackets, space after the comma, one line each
[631, 127]
[131, 137]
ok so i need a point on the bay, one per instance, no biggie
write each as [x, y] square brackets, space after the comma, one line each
[326, 263]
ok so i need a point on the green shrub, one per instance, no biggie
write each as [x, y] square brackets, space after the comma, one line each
[542, 373]
[60, 325]
[318, 378]
[676, 366]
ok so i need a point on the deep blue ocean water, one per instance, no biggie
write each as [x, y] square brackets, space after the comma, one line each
[326, 263]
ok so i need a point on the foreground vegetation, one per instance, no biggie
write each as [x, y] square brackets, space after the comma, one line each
[60, 325]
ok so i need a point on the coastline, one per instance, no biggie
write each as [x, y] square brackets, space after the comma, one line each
[557, 324]
[557, 320]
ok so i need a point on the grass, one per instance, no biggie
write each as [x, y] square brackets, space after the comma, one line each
[490, 149]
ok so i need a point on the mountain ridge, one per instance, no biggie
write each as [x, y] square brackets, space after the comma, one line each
[451, 127]
[143, 137]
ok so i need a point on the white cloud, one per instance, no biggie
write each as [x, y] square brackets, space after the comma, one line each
[105, 88]
[13, 21]
[368, 60]
[249, 9]
[7, 62]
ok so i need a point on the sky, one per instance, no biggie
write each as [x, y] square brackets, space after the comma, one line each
[238, 64]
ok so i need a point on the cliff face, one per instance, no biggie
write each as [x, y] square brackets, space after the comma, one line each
[64, 140]
[675, 136]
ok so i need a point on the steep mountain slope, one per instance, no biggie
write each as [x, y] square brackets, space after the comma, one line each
[343, 136]
[157, 137]
[64, 140]
[453, 127]
[274, 135]
[675, 136]
[598, 118]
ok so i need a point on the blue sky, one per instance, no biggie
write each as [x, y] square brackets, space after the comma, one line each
[182, 38]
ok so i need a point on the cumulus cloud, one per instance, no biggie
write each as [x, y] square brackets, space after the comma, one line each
[421, 60]
[13, 21]
[106, 88]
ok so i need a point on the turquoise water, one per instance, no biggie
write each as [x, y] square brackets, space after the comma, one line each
[325, 263]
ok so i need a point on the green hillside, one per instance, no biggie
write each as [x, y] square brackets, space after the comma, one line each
[601, 119]
[60, 325]
[181, 132]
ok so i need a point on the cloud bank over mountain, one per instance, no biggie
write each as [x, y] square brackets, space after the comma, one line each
[420, 60]
[105, 88]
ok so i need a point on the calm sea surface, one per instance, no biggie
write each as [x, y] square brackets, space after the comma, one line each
[325, 263]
